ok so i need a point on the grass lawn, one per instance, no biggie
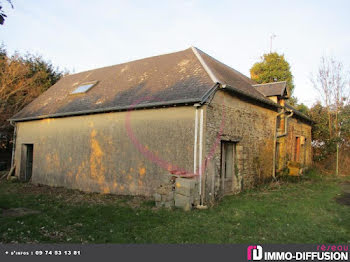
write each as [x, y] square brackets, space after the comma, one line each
[304, 211]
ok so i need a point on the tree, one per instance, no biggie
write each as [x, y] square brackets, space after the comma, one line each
[272, 68]
[22, 79]
[322, 144]
[2, 14]
[302, 108]
[333, 85]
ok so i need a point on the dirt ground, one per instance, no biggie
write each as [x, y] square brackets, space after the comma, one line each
[17, 212]
[75, 197]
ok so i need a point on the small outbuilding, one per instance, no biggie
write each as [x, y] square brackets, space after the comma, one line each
[124, 129]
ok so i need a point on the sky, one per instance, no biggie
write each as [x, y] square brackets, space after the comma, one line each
[78, 35]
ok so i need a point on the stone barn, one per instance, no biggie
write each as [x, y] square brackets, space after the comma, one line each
[129, 128]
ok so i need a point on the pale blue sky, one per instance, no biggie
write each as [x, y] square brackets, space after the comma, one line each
[80, 35]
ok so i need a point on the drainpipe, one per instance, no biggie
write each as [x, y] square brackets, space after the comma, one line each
[274, 146]
[200, 162]
[284, 110]
[199, 119]
[286, 123]
[195, 138]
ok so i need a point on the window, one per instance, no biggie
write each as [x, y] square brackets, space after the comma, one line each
[83, 88]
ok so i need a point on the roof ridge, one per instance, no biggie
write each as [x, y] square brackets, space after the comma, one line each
[271, 83]
[204, 65]
[127, 62]
[241, 75]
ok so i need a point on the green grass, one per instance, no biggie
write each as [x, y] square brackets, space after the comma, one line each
[302, 211]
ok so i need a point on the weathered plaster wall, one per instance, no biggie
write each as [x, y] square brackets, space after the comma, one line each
[251, 126]
[95, 153]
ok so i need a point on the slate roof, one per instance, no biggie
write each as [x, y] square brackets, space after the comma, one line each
[229, 76]
[182, 77]
[273, 89]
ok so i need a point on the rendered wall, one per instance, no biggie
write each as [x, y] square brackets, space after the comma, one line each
[96, 153]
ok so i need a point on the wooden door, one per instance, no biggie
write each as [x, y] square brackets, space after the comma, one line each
[228, 153]
[297, 149]
[26, 162]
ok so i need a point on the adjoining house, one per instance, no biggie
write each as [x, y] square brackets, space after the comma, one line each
[121, 129]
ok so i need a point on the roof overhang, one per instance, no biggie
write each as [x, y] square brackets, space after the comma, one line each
[183, 102]
[299, 114]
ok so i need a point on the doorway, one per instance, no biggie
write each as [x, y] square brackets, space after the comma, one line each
[297, 149]
[228, 167]
[27, 162]
[277, 155]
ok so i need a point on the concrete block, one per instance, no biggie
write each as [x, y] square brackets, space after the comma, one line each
[183, 202]
[159, 204]
[157, 197]
[164, 190]
[190, 182]
[185, 186]
[183, 190]
[168, 197]
[169, 204]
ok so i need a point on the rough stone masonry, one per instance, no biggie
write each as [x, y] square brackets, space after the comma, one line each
[175, 191]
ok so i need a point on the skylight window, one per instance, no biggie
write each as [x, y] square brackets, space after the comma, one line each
[83, 88]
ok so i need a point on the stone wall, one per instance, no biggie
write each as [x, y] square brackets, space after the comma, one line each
[296, 128]
[251, 126]
[176, 191]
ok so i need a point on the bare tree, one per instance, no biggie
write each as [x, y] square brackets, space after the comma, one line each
[2, 14]
[332, 83]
